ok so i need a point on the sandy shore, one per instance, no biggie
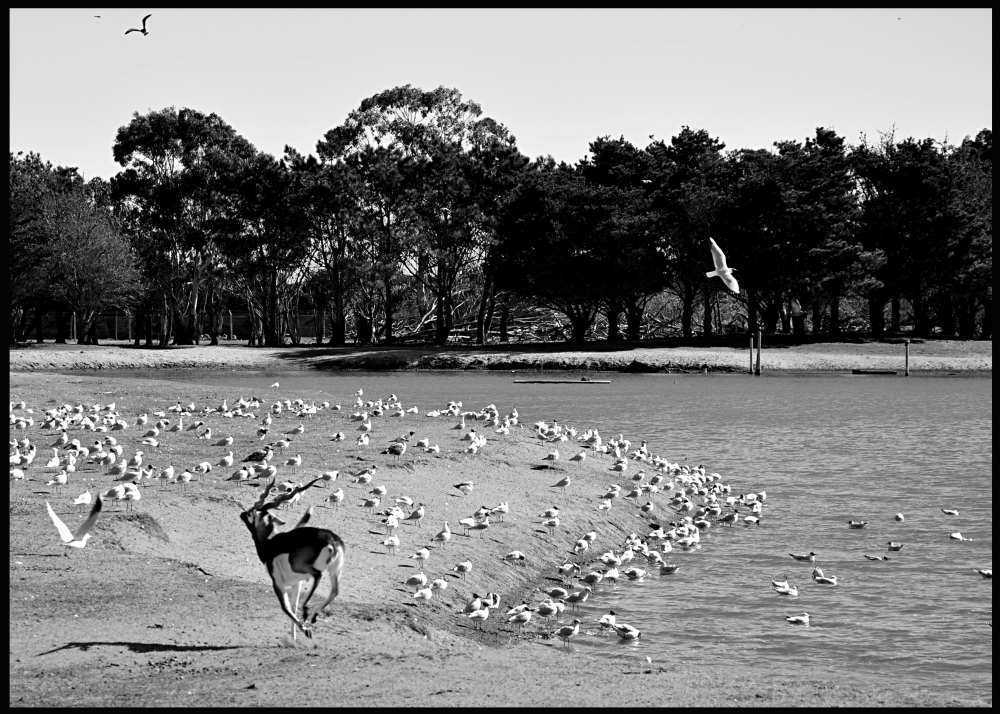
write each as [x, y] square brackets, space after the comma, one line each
[937, 356]
[170, 606]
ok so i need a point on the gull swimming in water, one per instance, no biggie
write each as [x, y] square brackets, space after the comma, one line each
[721, 269]
[802, 619]
[808, 557]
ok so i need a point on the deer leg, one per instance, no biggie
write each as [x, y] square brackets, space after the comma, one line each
[286, 607]
[335, 568]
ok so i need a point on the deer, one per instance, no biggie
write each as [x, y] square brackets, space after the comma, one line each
[294, 556]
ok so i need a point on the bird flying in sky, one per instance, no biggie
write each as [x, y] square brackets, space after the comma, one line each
[721, 269]
[143, 30]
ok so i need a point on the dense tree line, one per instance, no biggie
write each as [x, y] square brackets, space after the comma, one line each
[418, 216]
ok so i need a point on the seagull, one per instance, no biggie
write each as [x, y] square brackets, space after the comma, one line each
[949, 511]
[810, 557]
[627, 632]
[895, 546]
[857, 524]
[479, 616]
[465, 487]
[958, 536]
[721, 269]
[84, 499]
[462, 568]
[802, 619]
[420, 556]
[78, 539]
[568, 632]
[987, 574]
[562, 483]
[877, 557]
[143, 30]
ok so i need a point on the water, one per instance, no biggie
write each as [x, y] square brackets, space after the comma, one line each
[827, 449]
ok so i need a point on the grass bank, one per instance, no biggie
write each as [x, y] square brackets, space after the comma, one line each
[779, 355]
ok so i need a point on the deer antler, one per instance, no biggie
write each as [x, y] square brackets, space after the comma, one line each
[286, 496]
[305, 518]
[263, 496]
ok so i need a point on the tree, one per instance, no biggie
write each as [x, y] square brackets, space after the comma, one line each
[635, 260]
[425, 213]
[172, 161]
[31, 255]
[93, 266]
[687, 177]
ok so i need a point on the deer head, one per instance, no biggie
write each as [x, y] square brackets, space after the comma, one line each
[258, 520]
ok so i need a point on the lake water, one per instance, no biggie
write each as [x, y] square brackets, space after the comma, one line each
[827, 449]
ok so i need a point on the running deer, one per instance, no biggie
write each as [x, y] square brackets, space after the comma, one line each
[295, 556]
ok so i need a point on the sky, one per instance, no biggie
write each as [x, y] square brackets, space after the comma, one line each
[557, 79]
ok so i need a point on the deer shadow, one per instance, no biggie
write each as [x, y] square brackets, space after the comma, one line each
[141, 647]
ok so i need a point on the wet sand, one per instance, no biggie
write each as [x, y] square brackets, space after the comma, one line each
[170, 606]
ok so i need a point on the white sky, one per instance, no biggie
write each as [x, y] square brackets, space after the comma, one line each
[557, 79]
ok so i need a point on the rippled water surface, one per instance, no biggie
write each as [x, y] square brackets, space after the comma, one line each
[827, 449]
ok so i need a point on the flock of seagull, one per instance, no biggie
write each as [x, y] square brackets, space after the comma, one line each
[696, 500]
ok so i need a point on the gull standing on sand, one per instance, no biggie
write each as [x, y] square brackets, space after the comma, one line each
[721, 269]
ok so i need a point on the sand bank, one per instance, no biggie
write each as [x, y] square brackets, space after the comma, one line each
[170, 606]
[931, 356]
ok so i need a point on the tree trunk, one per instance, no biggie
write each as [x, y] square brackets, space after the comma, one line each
[614, 312]
[390, 310]
[213, 333]
[987, 332]
[485, 303]
[364, 329]
[634, 310]
[504, 317]
[149, 327]
[440, 328]
[835, 313]
[967, 318]
[894, 324]
[39, 314]
[687, 309]
[876, 314]
[91, 322]
[752, 311]
[580, 321]
[706, 317]
[817, 319]
[60, 326]
[945, 317]
[922, 323]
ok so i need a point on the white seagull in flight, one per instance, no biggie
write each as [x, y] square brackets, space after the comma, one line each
[721, 269]
[79, 539]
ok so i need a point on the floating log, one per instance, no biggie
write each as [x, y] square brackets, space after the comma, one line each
[874, 371]
[562, 381]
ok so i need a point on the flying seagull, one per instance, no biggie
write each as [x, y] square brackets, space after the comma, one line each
[78, 539]
[721, 269]
[143, 30]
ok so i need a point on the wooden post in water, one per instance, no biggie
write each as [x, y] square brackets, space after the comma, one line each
[757, 372]
[751, 354]
[906, 371]
[230, 324]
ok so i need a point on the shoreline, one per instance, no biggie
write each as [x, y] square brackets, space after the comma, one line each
[930, 357]
[190, 602]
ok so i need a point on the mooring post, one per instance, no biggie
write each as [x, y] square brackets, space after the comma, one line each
[757, 372]
[230, 324]
[906, 370]
[751, 353]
